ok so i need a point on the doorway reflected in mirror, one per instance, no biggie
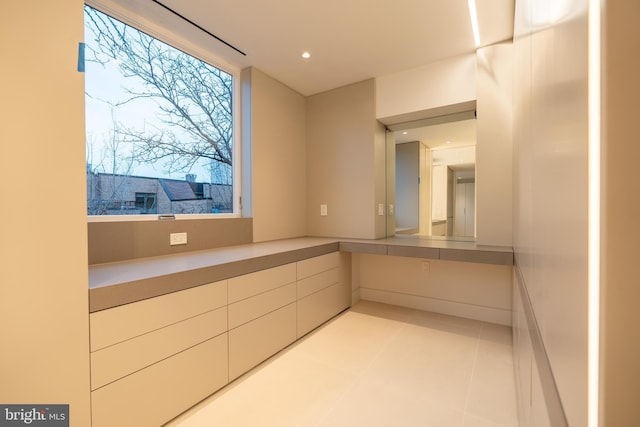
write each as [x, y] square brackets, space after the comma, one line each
[434, 172]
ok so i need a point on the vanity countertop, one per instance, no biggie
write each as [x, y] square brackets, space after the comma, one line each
[118, 283]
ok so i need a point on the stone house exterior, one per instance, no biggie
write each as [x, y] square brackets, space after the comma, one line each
[113, 194]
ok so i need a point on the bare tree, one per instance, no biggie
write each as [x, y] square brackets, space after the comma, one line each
[108, 171]
[194, 98]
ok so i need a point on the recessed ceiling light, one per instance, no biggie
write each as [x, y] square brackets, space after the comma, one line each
[405, 132]
[306, 55]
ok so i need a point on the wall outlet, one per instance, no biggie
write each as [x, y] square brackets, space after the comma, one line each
[426, 267]
[323, 210]
[390, 210]
[177, 239]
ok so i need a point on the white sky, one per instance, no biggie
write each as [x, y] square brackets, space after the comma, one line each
[104, 83]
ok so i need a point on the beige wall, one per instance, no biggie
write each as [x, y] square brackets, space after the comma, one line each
[44, 321]
[494, 145]
[550, 187]
[620, 335]
[279, 181]
[344, 149]
[442, 83]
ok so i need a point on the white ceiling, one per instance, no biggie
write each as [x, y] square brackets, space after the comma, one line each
[349, 40]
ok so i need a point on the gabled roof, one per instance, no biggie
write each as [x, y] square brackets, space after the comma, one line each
[177, 190]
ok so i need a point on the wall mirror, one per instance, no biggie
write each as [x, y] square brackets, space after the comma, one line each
[431, 177]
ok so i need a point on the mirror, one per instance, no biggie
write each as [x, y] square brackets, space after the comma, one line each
[431, 177]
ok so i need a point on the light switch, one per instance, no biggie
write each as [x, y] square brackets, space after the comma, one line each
[381, 209]
[390, 210]
[323, 210]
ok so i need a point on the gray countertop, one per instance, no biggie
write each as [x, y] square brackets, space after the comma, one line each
[119, 283]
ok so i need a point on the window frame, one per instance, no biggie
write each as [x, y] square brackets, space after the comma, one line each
[149, 26]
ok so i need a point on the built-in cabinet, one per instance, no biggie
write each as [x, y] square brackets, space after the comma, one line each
[262, 316]
[153, 359]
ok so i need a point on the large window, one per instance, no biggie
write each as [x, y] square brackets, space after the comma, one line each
[159, 125]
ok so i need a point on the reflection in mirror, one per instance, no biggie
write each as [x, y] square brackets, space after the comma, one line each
[434, 171]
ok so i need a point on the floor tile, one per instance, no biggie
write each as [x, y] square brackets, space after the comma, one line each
[369, 403]
[376, 365]
[492, 395]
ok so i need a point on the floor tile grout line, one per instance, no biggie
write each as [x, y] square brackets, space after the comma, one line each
[471, 378]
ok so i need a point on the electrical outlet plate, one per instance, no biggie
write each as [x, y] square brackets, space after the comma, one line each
[177, 239]
[323, 210]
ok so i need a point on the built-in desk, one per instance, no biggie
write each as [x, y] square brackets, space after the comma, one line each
[168, 331]
[123, 282]
[428, 248]
[119, 283]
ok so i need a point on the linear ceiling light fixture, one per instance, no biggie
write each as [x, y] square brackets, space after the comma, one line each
[474, 21]
[198, 27]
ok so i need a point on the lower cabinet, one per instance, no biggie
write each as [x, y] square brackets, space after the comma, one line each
[160, 392]
[256, 341]
[323, 291]
[152, 360]
[318, 307]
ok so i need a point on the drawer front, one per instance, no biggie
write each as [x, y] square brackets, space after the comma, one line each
[155, 395]
[317, 282]
[117, 324]
[114, 362]
[248, 285]
[311, 266]
[251, 308]
[253, 342]
[317, 308]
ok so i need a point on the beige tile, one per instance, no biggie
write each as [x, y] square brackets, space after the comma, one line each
[370, 404]
[492, 395]
[349, 342]
[384, 311]
[497, 339]
[473, 421]
[288, 391]
[433, 364]
[376, 365]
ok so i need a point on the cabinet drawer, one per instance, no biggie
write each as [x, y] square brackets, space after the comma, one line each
[317, 282]
[117, 324]
[253, 342]
[156, 394]
[317, 308]
[114, 362]
[251, 308]
[311, 266]
[248, 285]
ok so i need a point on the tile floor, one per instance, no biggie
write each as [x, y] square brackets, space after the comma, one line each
[376, 365]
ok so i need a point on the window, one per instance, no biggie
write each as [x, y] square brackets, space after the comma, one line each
[159, 125]
[146, 203]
